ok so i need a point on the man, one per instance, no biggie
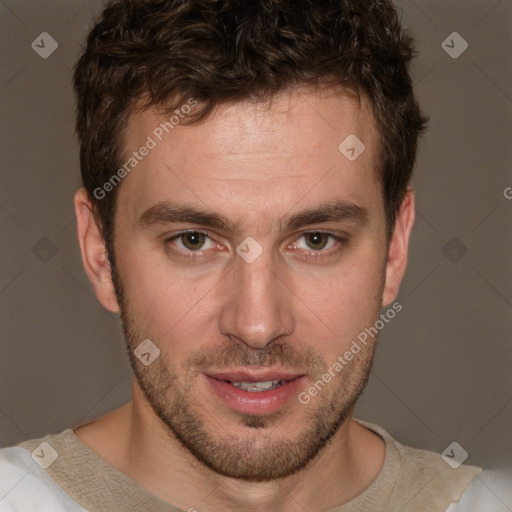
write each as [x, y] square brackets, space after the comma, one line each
[246, 208]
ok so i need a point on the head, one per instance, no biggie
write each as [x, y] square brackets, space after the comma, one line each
[226, 119]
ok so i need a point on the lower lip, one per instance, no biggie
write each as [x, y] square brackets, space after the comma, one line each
[255, 402]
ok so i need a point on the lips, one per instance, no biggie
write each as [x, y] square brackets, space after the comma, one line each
[249, 400]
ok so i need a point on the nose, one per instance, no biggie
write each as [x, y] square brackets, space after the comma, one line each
[258, 306]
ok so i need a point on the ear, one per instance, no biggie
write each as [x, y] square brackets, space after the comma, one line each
[94, 252]
[398, 249]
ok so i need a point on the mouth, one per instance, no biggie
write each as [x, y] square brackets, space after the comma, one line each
[255, 392]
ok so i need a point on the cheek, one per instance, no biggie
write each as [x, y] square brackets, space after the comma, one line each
[344, 303]
[162, 299]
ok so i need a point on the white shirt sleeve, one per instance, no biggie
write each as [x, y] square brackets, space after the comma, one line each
[25, 486]
[490, 491]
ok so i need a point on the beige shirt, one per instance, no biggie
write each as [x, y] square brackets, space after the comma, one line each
[411, 480]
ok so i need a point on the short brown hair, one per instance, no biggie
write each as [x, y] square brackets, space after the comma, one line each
[161, 52]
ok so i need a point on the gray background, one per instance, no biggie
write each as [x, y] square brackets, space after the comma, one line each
[442, 372]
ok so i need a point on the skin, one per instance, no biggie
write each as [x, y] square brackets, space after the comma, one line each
[255, 164]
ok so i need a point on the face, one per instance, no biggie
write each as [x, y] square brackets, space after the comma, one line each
[252, 252]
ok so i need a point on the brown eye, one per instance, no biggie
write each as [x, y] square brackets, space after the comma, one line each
[196, 244]
[193, 240]
[316, 241]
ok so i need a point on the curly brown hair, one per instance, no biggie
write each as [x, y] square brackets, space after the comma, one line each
[144, 53]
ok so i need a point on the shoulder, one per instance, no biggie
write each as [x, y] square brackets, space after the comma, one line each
[25, 484]
[424, 463]
[425, 480]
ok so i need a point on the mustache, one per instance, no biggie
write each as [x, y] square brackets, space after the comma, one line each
[275, 354]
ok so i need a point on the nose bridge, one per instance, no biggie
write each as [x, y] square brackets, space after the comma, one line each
[256, 310]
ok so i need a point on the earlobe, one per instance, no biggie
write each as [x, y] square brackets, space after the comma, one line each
[398, 249]
[94, 252]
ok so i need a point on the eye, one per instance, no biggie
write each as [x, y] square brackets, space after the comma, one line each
[317, 241]
[192, 241]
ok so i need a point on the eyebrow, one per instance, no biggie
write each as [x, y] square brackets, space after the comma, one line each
[168, 213]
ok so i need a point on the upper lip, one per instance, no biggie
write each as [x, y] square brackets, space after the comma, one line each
[248, 375]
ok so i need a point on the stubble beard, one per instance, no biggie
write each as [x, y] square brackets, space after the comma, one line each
[262, 453]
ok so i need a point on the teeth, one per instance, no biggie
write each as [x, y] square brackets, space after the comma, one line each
[257, 386]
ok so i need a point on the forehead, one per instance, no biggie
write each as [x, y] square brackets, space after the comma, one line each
[266, 156]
